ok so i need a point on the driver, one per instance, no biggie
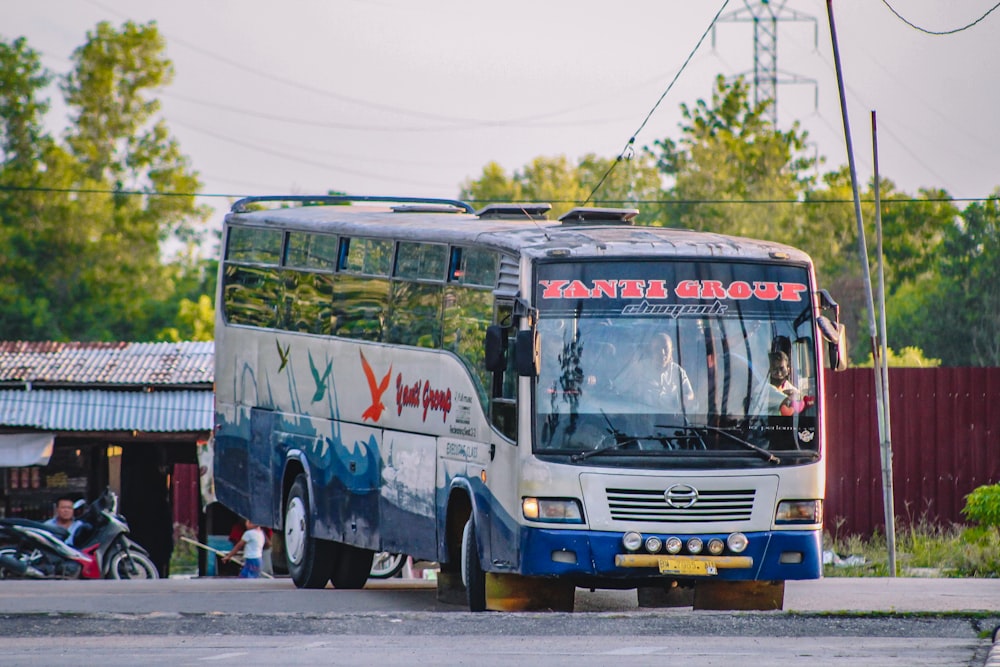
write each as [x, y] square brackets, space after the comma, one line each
[656, 379]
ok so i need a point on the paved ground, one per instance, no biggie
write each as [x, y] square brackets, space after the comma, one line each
[863, 595]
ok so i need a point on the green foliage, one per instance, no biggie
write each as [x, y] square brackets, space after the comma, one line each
[565, 185]
[922, 549]
[908, 357]
[983, 506]
[83, 255]
[730, 152]
[953, 311]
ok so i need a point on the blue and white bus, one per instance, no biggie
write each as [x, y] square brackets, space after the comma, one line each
[537, 405]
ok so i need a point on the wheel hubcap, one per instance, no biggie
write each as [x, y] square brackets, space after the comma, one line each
[295, 530]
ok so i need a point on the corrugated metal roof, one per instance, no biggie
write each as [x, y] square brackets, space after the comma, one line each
[107, 364]
[103, 410]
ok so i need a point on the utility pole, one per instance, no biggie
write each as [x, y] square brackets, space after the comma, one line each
[765, 16]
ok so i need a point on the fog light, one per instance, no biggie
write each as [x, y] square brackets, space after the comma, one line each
[653, 544]
[564, 556]
[737, 542]
[695, 545]
[632, 541]
[716, 546]
[673, 545]
[790, 558]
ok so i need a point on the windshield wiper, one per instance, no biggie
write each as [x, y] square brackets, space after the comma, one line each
[699, 430]
[621, 439]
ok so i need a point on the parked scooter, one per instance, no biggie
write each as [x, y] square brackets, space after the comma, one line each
[102, 547]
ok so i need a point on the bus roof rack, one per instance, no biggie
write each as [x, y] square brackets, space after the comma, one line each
[599, 216]
[514, 211]
[427, 208]
[314, 200]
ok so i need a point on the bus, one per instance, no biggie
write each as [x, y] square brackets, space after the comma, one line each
[534, 404]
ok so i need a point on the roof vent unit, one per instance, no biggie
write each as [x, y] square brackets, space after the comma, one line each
[426, 208]
[600, 216]
[515, 212]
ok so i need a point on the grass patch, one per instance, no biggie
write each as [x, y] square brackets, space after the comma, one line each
[922, 549]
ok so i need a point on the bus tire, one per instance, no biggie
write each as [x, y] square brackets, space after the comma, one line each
[386, 565]
[310, 560]
[472, 572]
[352, 568]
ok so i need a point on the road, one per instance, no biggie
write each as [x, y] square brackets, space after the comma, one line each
[884, 622]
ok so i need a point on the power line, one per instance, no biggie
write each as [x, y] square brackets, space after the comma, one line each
[642, 125]
[665, 202]
[939, 32]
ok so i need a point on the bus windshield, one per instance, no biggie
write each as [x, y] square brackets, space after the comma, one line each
[676, 364]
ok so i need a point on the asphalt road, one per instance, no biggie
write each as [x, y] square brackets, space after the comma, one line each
[883, 622]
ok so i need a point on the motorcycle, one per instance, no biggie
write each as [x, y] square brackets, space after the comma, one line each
[102, 547]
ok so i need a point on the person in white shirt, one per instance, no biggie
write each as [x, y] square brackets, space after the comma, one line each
[777, 396]
[657, 380]
[252, 544]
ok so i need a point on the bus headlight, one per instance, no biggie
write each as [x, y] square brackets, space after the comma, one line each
[554, 510]
[799, 511]
[653, 544]
[716, 546]
[695, 545]
[673, 545]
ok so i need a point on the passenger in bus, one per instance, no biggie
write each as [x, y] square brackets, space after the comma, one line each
[655, 379]
[777, 396]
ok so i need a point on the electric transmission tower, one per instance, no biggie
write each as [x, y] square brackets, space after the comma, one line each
[765, 16]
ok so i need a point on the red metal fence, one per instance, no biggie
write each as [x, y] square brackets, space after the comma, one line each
[945, 443]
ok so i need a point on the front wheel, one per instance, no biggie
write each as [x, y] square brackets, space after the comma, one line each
[310, 560]
[472, 572]
[131, 565]
[386, 565]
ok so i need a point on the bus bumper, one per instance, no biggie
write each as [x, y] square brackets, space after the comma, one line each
[583, 555]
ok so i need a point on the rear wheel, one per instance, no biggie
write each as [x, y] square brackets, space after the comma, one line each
[472, 572]
[131, 565]
[386, 565]
[12, 554]
[352, 568]
[310, 560]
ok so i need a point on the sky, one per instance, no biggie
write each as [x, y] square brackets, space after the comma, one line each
[415, 97]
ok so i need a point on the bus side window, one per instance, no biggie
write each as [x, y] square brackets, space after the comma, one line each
[503, 408]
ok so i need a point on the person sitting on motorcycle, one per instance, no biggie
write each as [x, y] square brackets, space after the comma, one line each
[65, 517]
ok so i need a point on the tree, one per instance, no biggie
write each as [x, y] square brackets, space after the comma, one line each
[555, 180]
[87, 238]
[730, 152]
[954, 311]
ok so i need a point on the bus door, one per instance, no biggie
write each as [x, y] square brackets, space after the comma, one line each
[260, 466]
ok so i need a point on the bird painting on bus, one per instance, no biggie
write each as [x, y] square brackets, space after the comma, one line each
[320, 380]
[282, 354]
[374, 411]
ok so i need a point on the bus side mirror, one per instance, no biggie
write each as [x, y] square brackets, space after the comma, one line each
[835, 335]
[496, 348]
[527, 353]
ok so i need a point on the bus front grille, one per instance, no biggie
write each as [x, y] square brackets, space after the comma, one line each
[668, 506]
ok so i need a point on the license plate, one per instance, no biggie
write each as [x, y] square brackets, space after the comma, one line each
[692, 568]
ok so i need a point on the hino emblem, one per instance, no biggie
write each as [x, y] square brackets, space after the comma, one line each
[681, 496]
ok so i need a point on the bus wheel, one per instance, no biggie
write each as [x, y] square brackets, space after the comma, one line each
[310, 560]
[352, 568]
[472, 572]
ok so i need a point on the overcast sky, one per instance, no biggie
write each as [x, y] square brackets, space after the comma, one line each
[411, 97]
